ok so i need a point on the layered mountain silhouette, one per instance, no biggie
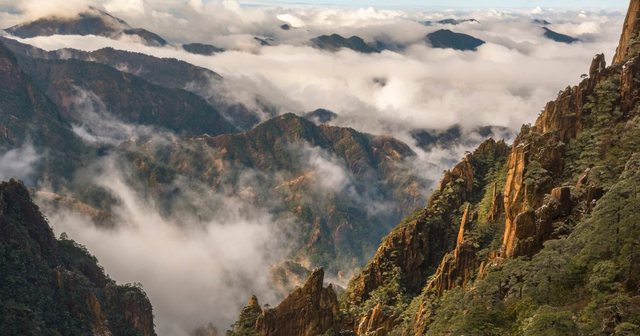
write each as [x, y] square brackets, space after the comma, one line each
[90, 22]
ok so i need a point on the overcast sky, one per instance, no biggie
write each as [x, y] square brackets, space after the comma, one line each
[457, 4]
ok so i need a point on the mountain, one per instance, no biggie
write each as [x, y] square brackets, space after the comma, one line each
[446, 39]
[28, 115]
[562, 38]
[336, 42]
[450, 21]
[90, 22]
[321, 116]
[54, 286]
[536, 238]
[340, 221]
[167, 72]
[541, 22]
[202, 49]
[456, 135]
[342, 187]
[129, 98]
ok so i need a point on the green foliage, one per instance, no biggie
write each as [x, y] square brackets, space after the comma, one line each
[391, 296]
[550, 321]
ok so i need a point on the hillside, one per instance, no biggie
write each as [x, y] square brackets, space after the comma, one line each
[539, 238]
[54, 286]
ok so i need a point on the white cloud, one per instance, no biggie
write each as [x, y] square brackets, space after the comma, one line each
[18, 162]
[193, 271]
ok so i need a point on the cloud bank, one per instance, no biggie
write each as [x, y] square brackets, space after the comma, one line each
[194, 272]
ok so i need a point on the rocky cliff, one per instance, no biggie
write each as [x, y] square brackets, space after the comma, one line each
[308, 311]
[553, 253]
[629, 39]
[52, 286]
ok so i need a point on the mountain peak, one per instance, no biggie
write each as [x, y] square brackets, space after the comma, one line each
[92, 21]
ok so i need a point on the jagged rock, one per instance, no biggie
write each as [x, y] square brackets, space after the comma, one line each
[309, 311]
[629, 31]
[462, 171]
[598, 65]
[536, 161]
[496, 204]
[246, 323]
[457, 267]
[375, 323]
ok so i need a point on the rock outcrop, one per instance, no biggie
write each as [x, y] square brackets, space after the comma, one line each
[630, 32]
[309, 311]
[536, 161]
[375, 323]
[457, 267]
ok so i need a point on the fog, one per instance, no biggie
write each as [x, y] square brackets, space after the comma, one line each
[194, 272]
[505, 83]
[19, 162]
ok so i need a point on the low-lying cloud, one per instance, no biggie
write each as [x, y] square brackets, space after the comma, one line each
[18, 163]
[193, 271]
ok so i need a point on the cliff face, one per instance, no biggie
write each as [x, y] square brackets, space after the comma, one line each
[568, 205]
[309, 311]
[456, 268]
[414, 250]
[537, 162]
[54, 286]
[630, 30]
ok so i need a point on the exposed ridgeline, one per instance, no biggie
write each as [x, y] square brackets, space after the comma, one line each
[556, 253]
[55, 287]
[311, 310]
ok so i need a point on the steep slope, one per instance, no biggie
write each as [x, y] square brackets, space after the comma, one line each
[27, 115]
[55, 287]
[90, 22]
[554, 253]
[127, 97]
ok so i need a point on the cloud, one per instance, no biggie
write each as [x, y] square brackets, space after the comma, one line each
[193, 271]
[96, 125]
[505, 83]
[18, 163]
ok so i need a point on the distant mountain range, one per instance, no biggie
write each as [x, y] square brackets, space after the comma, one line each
[443, 38]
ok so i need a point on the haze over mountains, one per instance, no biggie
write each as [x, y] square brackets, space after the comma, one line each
[227, 157]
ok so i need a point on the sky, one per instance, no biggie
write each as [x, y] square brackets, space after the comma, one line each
[450, 4]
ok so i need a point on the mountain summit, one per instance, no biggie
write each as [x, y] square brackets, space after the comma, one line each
[90, 22]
